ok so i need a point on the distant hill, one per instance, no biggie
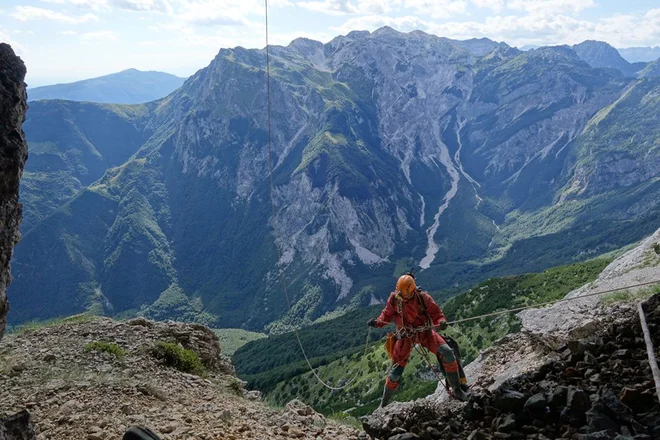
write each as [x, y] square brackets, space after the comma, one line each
[643, 54]
[127, 87]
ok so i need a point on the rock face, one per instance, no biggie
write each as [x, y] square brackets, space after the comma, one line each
[77, 386]
[600, 388]
[13, 153]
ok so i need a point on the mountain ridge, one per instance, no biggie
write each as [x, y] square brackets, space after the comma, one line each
[130, 86]
[404, 147]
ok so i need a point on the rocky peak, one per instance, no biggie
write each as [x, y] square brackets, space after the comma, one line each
[13, 153]
[480, 46]
[601, 54]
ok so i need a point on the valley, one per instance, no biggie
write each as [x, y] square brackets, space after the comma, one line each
[391, 150]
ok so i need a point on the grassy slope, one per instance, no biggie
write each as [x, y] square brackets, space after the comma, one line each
[71, 145]
[231, 339]
[336, 346]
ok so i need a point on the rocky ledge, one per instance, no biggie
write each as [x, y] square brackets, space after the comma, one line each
[92, 379]
[595, 388]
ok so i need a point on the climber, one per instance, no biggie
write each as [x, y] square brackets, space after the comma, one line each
[415, 313]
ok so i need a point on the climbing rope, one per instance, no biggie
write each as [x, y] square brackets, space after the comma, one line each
[557, 301]
[275, 228]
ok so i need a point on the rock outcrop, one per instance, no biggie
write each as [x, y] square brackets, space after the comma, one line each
[92, 378]
[13, 153]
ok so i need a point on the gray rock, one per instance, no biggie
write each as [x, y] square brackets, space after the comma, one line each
[577, 399]
[13, 153]
[17, 427]
[510, 401]
[536, 404]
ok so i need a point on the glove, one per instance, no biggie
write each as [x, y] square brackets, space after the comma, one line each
[443, 325]
[372, 323]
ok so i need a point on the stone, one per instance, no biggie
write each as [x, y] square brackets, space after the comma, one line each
[18, 426]
[601, 435]
[510, 401]
[478, 435]
[635, 399]
[598, 421]
[508, 423]
[536, 405]
[406, 436]
[577, 399]
[558, 396]
[615, 407]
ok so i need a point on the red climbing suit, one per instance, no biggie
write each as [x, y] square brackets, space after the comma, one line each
[408, 316]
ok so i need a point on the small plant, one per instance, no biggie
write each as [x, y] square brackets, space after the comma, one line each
[656, 248]
[174, 355]
[106, 347]
[236, 387]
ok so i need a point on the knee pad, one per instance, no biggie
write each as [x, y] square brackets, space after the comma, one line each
[395, 373]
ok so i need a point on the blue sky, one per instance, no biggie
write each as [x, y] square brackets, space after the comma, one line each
[66, 40]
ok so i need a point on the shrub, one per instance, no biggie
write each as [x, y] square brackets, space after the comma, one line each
[106, 347]
[656, 248]
[236, 387]
[174, 355]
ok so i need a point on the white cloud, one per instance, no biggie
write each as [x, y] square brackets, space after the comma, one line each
[101, 35]
[68, 33]
[28, 13]
[131, 5]
[330, 7]
[619, 30]
[495, 5]
[142, 5]
[437, 8]
[56, 2]
[344, 7]
[546, 7]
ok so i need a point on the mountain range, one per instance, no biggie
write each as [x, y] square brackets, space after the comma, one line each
[130, 86]
[643, 54]
[468, 159]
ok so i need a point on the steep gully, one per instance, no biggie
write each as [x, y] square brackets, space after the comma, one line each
[454, 169]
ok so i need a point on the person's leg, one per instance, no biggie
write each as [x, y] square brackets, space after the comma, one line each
[391, 384]
[447, 358]
[400, 357]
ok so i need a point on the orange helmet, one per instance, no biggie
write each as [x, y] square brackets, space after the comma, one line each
[406, 285]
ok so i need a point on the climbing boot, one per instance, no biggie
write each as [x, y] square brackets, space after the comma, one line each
[456, 387]
[387, 396]
[140, 433]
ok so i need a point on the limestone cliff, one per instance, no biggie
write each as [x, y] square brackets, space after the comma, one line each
[13, 153]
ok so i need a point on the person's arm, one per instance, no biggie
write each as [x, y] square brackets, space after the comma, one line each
[434, 310]
[385, 316]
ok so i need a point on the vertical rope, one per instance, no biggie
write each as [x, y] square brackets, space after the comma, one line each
[275, 228]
